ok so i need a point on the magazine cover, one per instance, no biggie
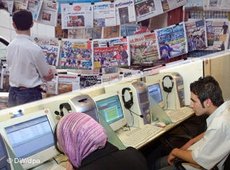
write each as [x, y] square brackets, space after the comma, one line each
[89, 80]
[143, 48]
[217, 34]
[59, 32]
[217, 5]
[50, 47]
[20, 4]
[75, 54]
[125, 11]
[34, 6]
[146, 9]
[48, 14]
[196, 35]
[104, 14]
[76, 15]
[111, 32]
[171, 41]
[67, 83]
[110, 52]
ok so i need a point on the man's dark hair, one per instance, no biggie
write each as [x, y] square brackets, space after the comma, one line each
[23, 19]
[207, 88]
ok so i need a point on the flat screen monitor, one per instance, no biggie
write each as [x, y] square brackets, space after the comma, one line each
[31, 137]
[155, 94]
[111, 109]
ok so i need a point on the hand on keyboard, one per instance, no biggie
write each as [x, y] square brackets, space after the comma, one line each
[137, 137]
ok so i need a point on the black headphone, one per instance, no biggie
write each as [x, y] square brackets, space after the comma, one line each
[167, 88]
[128, 104]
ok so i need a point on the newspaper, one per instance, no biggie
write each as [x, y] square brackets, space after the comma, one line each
[217, 34]
[34, 6]
[196, 35]
[172, 4]
[217, 5]
[67, 83]
[172, 41]
[48, 14]
[110, 52]
[111, 32]
[8, 5]
[20, 4]
[143, 48]
[104, 14]
[89, 80]
[50, 47]
[125, 11]
[146, 9]
[76, 15]
[75, 54]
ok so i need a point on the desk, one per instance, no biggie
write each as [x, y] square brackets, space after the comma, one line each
[125, 134]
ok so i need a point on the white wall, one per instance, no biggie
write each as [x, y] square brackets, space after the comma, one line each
[7, 31]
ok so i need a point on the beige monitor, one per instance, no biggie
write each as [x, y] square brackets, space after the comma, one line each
[31, 137]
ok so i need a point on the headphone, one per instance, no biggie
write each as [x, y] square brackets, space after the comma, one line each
[167, 83]
[128, 104]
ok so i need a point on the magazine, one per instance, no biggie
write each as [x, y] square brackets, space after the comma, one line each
[59, 32]
[143, 48]
[75, 54]
[48, 14]
[80, 33]
[50, 47]
[104, 14]
[172, 41]
[76, 15]
[34, 6]
[217, 34]
[111, 52]
[196, 35]
[125, 11]
[146, 9]
[172, 4]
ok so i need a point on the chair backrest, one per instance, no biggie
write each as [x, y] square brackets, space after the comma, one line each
[227, 163]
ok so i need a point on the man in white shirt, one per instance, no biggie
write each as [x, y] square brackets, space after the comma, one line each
[212, 147]
[26, 61]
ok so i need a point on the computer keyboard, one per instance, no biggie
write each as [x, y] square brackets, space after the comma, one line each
[179, 114]
[139, 136]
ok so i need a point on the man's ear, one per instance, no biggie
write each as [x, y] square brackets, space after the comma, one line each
[208, 102]
[14, 25]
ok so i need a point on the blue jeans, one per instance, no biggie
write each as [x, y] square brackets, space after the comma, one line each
[22, 95]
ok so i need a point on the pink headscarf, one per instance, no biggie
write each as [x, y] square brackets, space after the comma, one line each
[79, 135]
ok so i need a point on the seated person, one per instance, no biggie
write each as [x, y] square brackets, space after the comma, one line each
[211, 148]
[84, 142]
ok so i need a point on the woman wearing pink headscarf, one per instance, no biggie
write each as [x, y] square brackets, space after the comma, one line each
[84, 142]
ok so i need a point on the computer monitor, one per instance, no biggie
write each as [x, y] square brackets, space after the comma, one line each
[4, 163]
[155, 94]
[30, 137]
[110, 107]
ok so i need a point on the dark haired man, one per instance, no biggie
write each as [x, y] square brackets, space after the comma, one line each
[26, 61]
[212, 147]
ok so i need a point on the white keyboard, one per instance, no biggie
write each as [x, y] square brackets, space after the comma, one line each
[179, 114]
[139, 136]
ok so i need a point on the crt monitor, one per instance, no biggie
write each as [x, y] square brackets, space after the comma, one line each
[110, 107]
[31, 137]
[155, 94]
[4, 164]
